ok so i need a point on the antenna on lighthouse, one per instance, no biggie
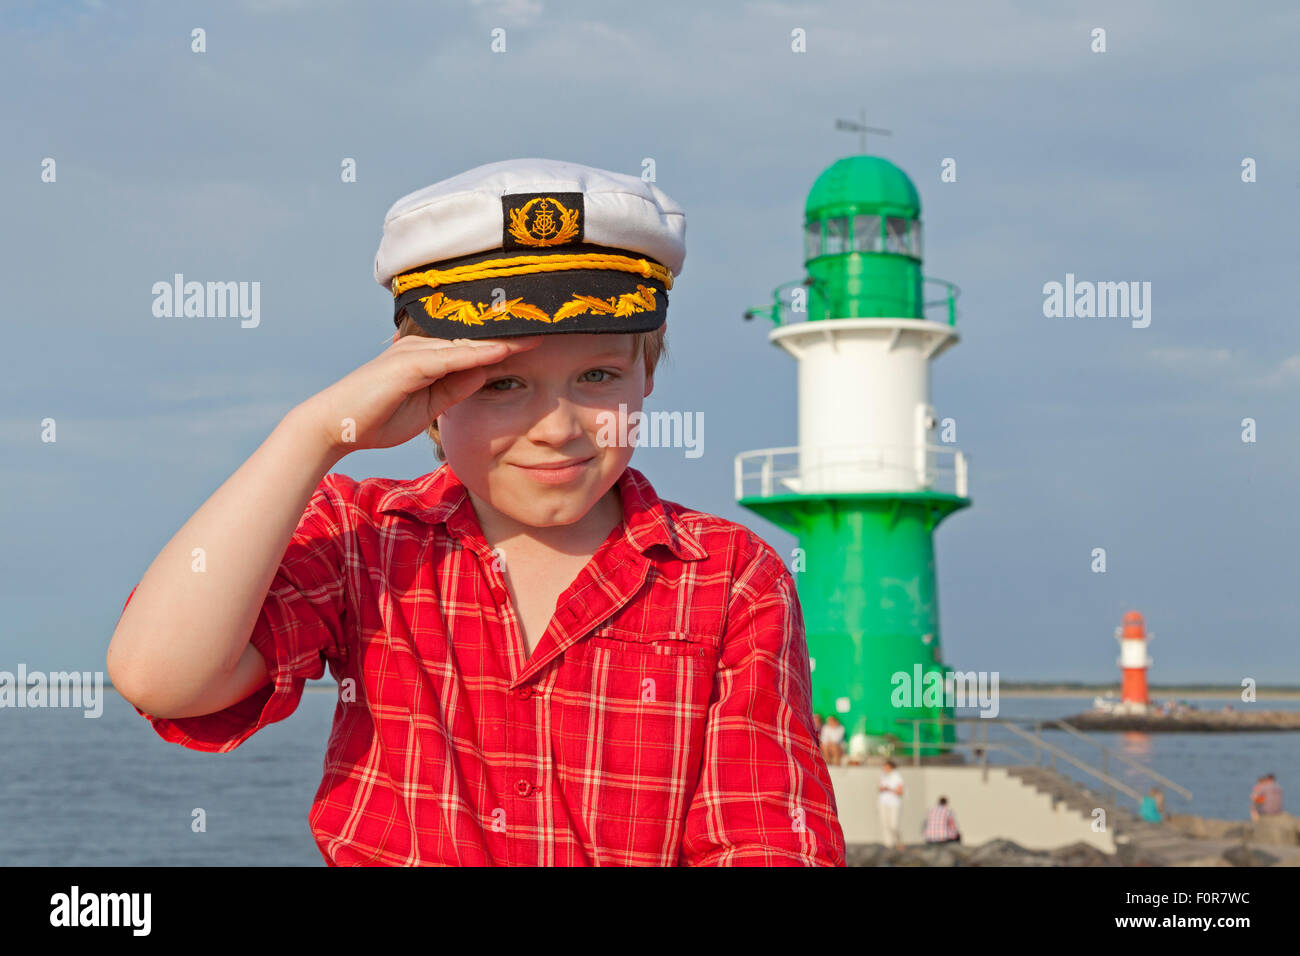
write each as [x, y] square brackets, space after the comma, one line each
[861, 128]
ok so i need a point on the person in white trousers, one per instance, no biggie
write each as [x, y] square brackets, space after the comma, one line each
[891, 804]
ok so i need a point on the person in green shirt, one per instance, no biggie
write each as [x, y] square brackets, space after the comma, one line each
[1152, 807]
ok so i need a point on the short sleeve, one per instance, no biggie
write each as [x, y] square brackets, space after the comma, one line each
[303, 624]
[764, 796]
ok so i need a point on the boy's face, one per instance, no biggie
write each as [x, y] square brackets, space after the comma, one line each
[543, 406]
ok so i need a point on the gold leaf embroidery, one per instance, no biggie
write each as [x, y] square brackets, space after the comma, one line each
[439, 306]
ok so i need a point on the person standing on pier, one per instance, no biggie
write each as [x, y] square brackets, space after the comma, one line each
[891, 805]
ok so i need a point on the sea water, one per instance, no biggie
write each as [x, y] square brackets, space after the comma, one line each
[110, 791]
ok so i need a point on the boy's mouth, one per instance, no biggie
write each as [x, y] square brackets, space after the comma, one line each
[557, 472]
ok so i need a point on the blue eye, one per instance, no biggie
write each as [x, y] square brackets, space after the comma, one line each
[609, 376]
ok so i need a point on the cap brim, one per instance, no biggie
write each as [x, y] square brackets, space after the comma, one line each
[538, 303]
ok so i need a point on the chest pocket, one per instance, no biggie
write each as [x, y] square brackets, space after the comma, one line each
[664, 643]
[631, 711]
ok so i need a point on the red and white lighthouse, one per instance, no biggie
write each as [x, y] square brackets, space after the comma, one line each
[1134, 661]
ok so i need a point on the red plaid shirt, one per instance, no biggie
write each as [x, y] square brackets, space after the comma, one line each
[940, 824]
[663, 718]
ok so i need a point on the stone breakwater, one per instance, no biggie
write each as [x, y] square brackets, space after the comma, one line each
[1189, 721]
[1183, 840]
[992, 853]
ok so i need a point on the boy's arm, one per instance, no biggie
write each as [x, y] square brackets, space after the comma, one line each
[303, 624]
[764, 795]
[181, 647]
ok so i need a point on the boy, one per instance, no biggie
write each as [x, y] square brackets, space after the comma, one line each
[540, 662]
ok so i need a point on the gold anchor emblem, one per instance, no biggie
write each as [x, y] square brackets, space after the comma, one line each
[544, 230]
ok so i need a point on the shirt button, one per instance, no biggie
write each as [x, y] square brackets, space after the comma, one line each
[523, 788]
[525, 692]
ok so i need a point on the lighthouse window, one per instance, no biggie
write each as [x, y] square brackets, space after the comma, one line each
[866, 233]
[916, 238]
[837, 236]
[896, 235]
[813, 240]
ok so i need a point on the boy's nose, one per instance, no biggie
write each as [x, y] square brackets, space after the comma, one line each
[560, 423]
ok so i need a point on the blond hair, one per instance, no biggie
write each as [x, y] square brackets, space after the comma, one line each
[649, 346]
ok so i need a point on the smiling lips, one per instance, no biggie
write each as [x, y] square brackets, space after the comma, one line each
[561, 464]
[556, 473]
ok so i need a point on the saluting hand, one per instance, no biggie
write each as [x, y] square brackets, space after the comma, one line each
[399, 393]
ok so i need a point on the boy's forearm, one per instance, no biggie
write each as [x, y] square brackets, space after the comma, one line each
[185, 629]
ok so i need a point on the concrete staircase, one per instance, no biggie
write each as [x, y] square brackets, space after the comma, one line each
[1139, 843]
[1074, 796]
[989, 802]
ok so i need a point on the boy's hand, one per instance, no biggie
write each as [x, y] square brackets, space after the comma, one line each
[399, 393]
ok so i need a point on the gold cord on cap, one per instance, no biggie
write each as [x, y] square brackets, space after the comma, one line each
[524, 265]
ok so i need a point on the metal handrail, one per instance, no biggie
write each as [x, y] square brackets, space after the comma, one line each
[1124, 758]
[1037, 740]
[950, 300]
[916, 744]
[774, 312]
[1071, 759]
[777, 312]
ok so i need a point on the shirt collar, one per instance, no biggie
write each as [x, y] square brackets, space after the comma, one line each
[441, 497]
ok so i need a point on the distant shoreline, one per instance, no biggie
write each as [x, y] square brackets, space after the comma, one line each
[1039, 690]
[1080, 693]
[1156, 693]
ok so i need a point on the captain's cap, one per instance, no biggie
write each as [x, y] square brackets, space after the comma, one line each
[571, 249]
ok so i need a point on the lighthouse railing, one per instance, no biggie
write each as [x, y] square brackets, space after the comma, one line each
[850, 468]
[781, 311]
[948, 300]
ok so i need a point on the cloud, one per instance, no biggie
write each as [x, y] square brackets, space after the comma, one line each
[219, 387]
[511, 13]
[1190, 358]
[271, 7]
[1225, 367]
[1286, 372]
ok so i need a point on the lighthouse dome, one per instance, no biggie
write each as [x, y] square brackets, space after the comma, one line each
[863, 184]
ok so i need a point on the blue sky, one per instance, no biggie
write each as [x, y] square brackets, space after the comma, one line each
[1082, 433]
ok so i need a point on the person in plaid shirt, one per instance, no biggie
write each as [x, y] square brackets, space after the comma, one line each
[1265, 797]
[540, 661]
[940, 824]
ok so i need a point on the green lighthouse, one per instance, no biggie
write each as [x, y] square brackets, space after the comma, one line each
[869, 480]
